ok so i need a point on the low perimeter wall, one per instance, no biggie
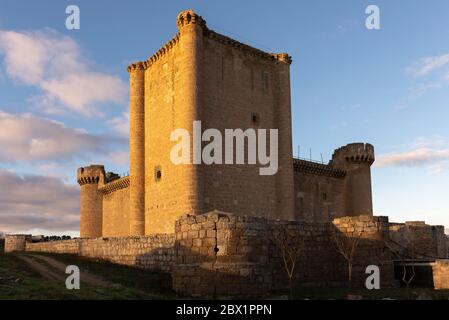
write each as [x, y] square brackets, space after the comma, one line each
[153, 252]
[16, 242]
[222, 254]
[232, 255]
[440, 270]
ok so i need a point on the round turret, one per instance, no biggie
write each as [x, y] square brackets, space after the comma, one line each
[189, 17]
[356, 160]
[91, 203]
[353, 153]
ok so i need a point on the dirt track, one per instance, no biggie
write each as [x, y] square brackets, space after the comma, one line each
[54, 270]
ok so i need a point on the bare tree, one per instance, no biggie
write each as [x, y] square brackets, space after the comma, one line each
[407, 279]
[290, 245]
[347, 243]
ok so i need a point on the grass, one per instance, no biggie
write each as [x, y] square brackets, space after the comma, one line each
[18, 281]
[144, 280]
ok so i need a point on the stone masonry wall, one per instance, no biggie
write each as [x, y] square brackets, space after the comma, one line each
[441, 274]
[153, 252]
[372, 248]
[116, 218]
[418, 239]
[16, 242]
[220, 254]
[318, 196]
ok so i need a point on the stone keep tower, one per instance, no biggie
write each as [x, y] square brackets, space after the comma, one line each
[356, 159]
[91, 200]
[202, 75]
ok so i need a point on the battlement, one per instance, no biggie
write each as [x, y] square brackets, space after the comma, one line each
[354, 153]
[136, 66]
[304, 166]
[115, 185]
[190, 17]
[187, 17]
[90, 175]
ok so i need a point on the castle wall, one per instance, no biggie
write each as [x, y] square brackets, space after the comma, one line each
[440, 270]
[319, 192]
[116, 208]
[415, 239]
[16, 242]
[234, 89]
[234, 255]
[153, 252]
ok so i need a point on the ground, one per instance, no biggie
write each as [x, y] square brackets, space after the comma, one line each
[42, 276]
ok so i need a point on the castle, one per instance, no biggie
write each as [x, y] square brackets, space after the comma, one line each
[202, 75]
[213, 227]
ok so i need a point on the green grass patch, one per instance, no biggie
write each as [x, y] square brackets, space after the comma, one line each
[19, 281]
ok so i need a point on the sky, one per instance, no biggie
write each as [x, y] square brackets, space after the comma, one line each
[64, 93]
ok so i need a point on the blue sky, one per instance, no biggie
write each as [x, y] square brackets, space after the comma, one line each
[388, 87]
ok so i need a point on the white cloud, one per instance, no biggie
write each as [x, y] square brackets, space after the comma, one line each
[120, 124]
[426, 65]
[416, 157]
[25, 137]
[432, 153]
[36, 201]
[55, 64]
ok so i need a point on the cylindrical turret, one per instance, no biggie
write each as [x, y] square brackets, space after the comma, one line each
[91, 204]
[284, 177]
[356, 159]
[191, 26]
[136, 149]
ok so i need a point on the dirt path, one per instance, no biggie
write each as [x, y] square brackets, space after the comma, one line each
[42, 269]
[54, 270]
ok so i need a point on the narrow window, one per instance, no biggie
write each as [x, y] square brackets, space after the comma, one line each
[255, 119]
[157, 173]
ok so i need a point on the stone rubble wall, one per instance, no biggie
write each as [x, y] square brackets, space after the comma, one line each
[16, 242]
[154, 252]
[372, 248]
[440, 270]
[221, 254]
[419, 239]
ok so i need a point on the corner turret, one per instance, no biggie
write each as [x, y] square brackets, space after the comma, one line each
[91, 203]
[356, 159]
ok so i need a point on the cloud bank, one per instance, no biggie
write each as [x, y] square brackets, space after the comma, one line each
[25, 137]
[54, 63]
[36, 201]
[430, 153]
